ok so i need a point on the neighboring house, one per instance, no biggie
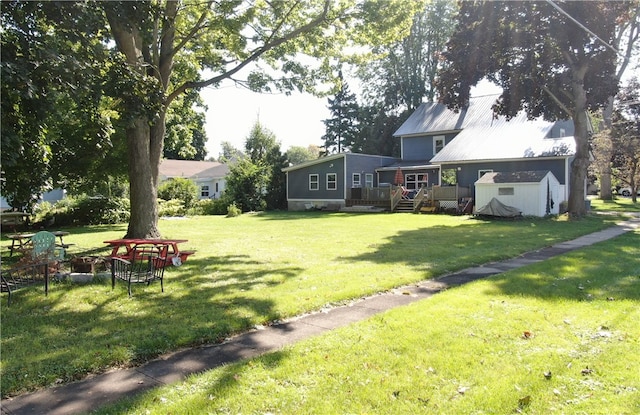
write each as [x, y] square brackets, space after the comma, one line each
[440, 147]
[209, 176]
[328, 182]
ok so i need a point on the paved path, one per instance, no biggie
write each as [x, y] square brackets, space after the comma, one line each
[96, 391]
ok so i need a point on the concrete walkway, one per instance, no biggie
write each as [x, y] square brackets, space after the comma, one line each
[96, 391]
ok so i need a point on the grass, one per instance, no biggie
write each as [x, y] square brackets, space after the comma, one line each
[619, 204]
[249, 270]
[555, 337]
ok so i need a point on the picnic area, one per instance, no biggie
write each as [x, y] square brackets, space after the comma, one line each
[248, 272]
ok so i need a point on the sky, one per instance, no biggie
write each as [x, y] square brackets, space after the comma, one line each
[296, 119]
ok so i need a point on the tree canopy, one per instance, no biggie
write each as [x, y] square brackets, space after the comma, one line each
[147, 54]
[551, 60]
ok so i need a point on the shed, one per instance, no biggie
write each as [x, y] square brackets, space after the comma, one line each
[534, 193]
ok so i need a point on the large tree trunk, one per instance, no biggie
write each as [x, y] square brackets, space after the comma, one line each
[143, 181]
[577, 206]
[607, 154]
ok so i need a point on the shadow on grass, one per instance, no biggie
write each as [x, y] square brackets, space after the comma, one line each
[607, 271]
[441, 249]
[87, 328]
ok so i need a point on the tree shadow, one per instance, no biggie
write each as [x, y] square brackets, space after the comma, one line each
[87, 328]
[608, 271]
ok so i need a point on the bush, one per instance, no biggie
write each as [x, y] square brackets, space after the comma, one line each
[211, 207]
[84, 210]
[233, 210]
[181, 189]
[173, 207]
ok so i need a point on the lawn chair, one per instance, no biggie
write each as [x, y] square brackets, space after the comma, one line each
[44, 250]
[144, 266]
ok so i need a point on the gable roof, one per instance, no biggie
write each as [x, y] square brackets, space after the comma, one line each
[482, 136]
[192, 169]
[530, 176]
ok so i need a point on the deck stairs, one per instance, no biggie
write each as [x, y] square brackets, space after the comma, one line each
[404, 206]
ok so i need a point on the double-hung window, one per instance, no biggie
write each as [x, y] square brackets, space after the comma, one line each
[368, 180]
[204, 191]
[332, 181]
[314, 182]
[438, 143]
[355, 180]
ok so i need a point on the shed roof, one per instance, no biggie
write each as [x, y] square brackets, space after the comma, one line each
[530, 176]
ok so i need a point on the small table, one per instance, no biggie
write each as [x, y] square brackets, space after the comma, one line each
[19, 241]
[168, 248]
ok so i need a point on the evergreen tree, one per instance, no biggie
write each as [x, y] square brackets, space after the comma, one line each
[342, 128]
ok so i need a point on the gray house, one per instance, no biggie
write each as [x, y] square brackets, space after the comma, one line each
[443, 155]
[328, 182]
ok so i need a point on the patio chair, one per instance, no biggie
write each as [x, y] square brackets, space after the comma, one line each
[144, 266]
[44, 250]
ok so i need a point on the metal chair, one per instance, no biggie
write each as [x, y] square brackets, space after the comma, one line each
[144, 266]
[43, 247]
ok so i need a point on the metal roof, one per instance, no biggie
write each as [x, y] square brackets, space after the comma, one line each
[483, 136]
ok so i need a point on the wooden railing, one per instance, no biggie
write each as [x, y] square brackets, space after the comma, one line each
[396, 196]
[419, 198]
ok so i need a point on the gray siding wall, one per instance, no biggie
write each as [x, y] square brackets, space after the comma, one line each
[468, 173]
[421, 147]
[298, 181]
[365, 164]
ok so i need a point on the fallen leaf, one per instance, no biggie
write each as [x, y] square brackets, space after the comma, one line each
[547, 374]
[463, 389]
[523, 402]
[586, 371]
[527, 335]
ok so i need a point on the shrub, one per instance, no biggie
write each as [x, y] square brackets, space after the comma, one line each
[84, 210]
[173, 207]
[233, 210]
[181, 189]
[211, 207]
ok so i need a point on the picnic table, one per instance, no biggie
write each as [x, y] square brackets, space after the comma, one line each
[13, 219]
[20, 241]
[168, 249]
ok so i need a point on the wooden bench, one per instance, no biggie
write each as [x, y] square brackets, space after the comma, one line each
[23, 276]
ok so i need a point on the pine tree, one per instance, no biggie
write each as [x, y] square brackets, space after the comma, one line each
[342, 129]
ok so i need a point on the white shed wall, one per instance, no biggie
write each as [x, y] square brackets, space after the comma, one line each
[529, 198]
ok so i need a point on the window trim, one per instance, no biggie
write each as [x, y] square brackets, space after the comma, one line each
[354, 182]
[314, 178]
[334, 181]
[436, 139]
[368, 180]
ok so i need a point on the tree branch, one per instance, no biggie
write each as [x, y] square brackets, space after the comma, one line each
[255, 55]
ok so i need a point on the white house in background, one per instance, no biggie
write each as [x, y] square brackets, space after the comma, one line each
[209, 176]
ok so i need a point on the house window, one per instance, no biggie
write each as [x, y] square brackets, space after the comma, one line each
[483, 172]
[332, 181]
[505, 191]
[438, 143]
[217, 189]
[314, 182]
[368, 180]
[355, 180]
[204, 191]
[416, 180]
[563, 132]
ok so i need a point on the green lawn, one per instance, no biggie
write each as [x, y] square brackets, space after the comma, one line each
[249, 270]
[619, 204]
[560, 336]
